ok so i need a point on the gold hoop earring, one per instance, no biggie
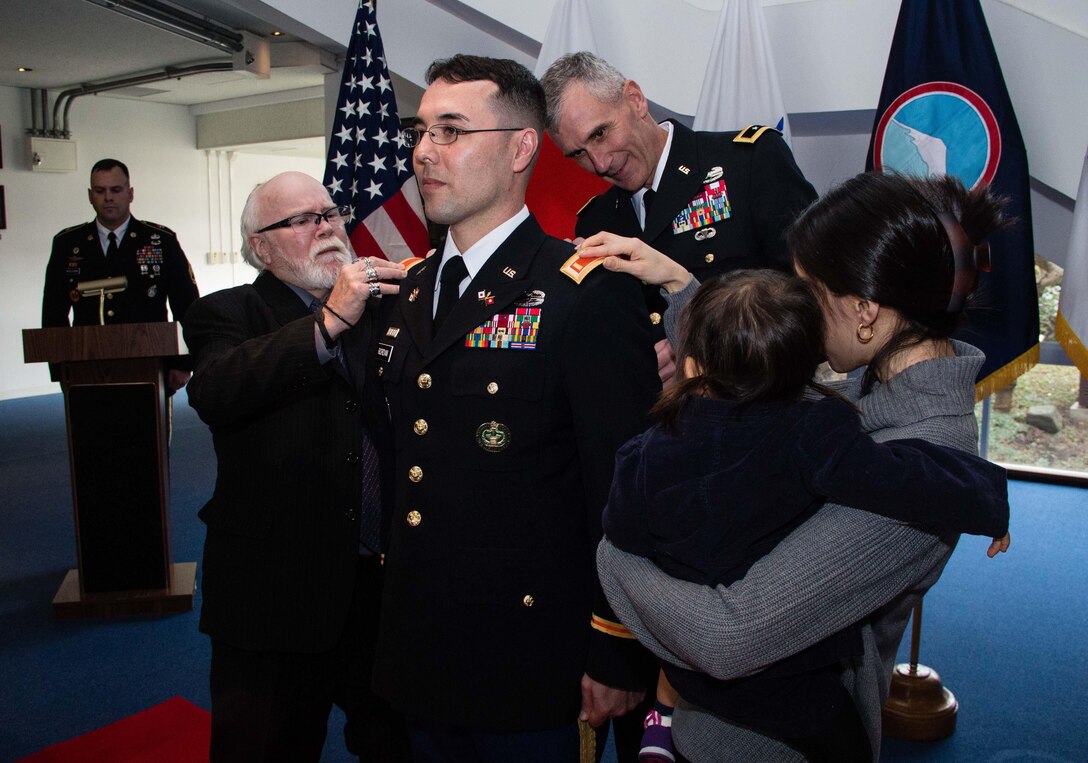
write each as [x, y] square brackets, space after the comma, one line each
[862, 337]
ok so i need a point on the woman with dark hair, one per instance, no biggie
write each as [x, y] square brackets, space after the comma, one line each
[892, 261]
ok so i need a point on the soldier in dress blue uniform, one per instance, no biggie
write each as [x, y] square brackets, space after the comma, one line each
[718, 201]
[146, 254]
[511, 382]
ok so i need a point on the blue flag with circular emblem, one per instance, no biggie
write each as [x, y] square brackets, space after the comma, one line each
[944, 109]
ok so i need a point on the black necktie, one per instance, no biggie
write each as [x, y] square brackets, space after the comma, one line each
[370, 510]
[111, 250]
[453, 272]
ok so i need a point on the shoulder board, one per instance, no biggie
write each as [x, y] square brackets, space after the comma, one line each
[588, 202]
[752, 133]
[411, 262]
[70, 229]
[577, 268]
[156, 226]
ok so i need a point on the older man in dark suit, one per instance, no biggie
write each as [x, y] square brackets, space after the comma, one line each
[284, 377]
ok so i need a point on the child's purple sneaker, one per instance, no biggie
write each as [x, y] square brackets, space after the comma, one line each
[657, 739]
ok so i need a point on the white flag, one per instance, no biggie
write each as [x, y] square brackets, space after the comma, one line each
[1071, 326]
[569, 31]
[740, 86]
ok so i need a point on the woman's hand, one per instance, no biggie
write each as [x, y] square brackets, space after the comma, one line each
[999, 545]
[630, 255]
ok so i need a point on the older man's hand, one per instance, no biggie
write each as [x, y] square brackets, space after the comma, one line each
[357, 283]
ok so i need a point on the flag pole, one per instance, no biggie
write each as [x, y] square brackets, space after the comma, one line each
[919, 707]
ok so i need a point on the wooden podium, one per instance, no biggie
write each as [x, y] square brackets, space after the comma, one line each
[115, 406]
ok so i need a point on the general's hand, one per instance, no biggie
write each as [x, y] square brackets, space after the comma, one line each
[630, 255]
[1000, 545]
[353, 288]
[176, 379]
[600, 702]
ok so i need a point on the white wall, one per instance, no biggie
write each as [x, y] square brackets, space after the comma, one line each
[170, 179]
[830, 55]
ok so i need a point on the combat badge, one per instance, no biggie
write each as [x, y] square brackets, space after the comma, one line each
[714, 174]
[493, 436]
[531, 298]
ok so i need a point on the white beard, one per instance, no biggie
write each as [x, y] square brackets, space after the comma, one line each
[311, 274]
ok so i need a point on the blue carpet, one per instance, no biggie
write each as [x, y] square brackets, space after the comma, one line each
[1006, 635]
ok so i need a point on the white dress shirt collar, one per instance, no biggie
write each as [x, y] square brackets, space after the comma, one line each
[662, 162]
[118, 232]
[480, 252]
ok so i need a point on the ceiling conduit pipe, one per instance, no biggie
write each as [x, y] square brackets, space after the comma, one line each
[170, 72]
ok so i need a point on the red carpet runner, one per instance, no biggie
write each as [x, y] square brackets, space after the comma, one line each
[174, 732]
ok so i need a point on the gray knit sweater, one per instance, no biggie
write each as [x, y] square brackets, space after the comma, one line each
[839, 567]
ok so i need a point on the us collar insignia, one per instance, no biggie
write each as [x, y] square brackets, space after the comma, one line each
[684, 168]
[509, 272]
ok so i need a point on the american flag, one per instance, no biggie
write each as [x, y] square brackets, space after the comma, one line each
[369, 168]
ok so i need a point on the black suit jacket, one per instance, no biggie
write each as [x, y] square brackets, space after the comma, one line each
[766, 192]
[148, 255]
[283, 522]
[504, 460]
